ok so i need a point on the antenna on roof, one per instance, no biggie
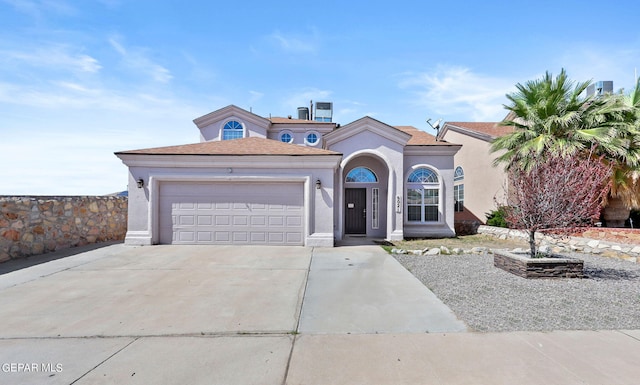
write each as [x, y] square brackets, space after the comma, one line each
[435, 126]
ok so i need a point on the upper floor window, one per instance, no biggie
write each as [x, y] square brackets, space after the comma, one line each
[232, 130]
[312, 138]
[458, 189]
[423, 196]
[459, 174]
[361, 175]
[286, 137]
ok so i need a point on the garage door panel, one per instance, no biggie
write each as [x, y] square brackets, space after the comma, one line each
[205, 220]
[258, 237]
[294, 221]
[258, 220]
[186, 236]
[222, 237]
[240, 220]
[276, 237]
[205, 236]
[294, 238]
[240, 237]
[238, 213]
[276, 220]
[187, 220]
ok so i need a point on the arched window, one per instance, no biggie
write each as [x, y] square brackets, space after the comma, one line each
[361, 175]
[423, 175]
[459, 174]
[458, 189]
[232, 130]
[423, 196]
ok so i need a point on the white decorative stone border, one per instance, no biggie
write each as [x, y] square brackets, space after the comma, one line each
[564, 244]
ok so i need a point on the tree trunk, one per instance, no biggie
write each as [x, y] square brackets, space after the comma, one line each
[616, 213]
[532, 243]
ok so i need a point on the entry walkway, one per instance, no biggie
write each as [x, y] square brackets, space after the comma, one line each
[361, 289]
[269, 315]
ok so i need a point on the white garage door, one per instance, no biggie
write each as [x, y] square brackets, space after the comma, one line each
[231, 213]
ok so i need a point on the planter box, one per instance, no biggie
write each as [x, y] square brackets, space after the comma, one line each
[550, 267]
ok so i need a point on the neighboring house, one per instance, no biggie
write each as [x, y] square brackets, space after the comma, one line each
[478, 184]
[256, 180]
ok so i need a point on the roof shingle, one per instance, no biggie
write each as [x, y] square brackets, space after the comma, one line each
[492, 129]
[244, 146]
[421, 138]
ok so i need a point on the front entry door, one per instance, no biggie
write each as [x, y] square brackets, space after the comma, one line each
[355, 211]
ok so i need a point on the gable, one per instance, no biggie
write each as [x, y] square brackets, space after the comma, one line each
[372, 127]
[211, 125]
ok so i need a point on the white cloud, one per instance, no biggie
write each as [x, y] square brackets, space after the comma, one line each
[297, 44]
[255, 96]
[56, 56]
[138, 60]
[457, 93]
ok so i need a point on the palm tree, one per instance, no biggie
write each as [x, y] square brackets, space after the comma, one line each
[551, 117]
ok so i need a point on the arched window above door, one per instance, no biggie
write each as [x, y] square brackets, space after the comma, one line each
[361, 175]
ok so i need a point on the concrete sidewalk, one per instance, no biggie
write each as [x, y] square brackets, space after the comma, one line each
[269, 315]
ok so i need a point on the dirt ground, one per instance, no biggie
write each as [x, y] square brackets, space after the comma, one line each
[463, 242]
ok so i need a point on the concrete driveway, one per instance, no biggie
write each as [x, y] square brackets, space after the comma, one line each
[261, 315]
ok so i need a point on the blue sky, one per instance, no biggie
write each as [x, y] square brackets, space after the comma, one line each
[80, 80]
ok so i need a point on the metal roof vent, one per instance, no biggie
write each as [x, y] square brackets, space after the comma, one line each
[303, 113]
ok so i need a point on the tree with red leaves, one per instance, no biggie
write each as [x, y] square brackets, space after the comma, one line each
[558, 194]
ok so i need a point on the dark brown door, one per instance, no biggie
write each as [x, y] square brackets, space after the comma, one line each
[355, 211]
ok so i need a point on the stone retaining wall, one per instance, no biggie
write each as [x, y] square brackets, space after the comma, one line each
[37, 225]
[584, 244]
[526, 267]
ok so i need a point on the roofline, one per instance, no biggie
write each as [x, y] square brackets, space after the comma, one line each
[211, 117]
[247, 161]
[462, 130]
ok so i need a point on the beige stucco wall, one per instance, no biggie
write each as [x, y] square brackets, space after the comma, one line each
[483, 183]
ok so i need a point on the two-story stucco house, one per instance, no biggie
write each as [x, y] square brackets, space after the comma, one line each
[283, 181]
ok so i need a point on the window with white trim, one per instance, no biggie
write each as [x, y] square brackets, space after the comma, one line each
[423, 196]
[375, 208]
[312, 138]
[232, 130]
[286, 137]
[458, 189]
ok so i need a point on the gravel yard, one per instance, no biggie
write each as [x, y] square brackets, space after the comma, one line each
[489, 299]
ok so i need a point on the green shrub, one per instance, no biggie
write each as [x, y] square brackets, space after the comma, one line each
[497, 217]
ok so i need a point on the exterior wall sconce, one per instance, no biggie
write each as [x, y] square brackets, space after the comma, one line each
[140, 183]
[318, 184]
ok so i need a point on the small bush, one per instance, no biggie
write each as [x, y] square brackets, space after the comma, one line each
[497, 217]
